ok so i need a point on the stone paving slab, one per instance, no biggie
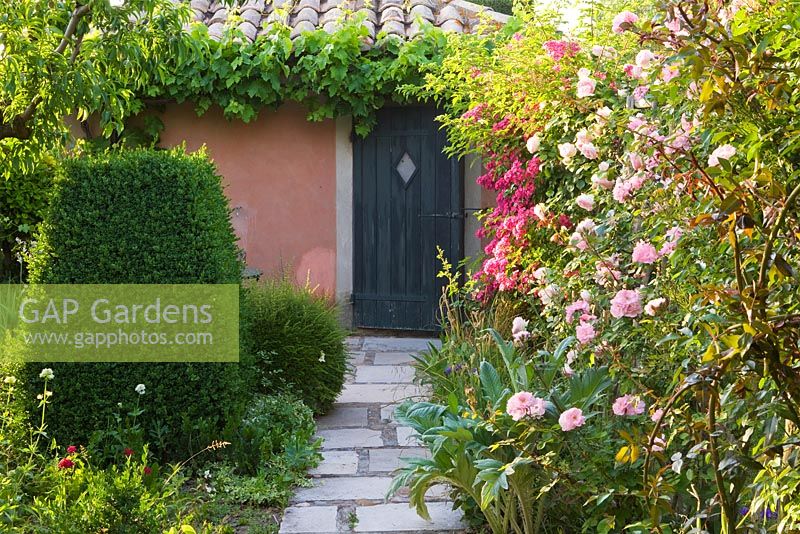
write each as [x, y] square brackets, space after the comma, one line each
[388, 460]
[406, 436]
[344, 416]
[356, 357]
[384, 374]
[393, 358]
[337, 463]
[401, 518]
[345, 489]
[363, 445]
[379, 393]
[398, 344]
[350, 438]
[309, 519]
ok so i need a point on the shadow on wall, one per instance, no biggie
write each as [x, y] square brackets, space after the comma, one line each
[313, 268]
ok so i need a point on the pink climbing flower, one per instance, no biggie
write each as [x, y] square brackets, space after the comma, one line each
[585, 332]
[519, 329]
[654, 306]
[644, 58]
[524, 404]
[626, 303]
[628, 405]
[567, 150]
[644, 252]
[585, 201]
[571, 419]
[624, 21]
[668, 72]
[585, 87]
[656, 415]
[721, 152]
[581, 305]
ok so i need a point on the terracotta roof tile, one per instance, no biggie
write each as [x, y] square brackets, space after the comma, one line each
[391, 17]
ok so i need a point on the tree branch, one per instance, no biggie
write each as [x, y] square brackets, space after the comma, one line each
[18, 127]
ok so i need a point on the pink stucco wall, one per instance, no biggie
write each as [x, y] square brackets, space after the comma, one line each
[280, 176]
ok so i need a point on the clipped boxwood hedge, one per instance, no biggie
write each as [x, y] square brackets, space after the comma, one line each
[149, 217]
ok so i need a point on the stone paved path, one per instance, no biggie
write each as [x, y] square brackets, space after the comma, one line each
[362, 446]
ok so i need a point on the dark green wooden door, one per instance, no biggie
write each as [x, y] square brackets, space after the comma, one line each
[407, 201]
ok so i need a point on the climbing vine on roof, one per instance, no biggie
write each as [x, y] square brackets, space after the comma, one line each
[332, 74]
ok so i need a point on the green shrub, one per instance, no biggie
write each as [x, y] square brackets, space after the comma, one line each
[150, 217]
[297, 342]
[124, 499]
[274, 426]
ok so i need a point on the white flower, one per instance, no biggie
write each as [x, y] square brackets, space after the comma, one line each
[47, 374]
[541, 273]
[117, 3]
[140, 389]
[10, 380]
[603, 114]
[677, 462]
[533, 144]
[603, 167]
[567, 150]
[549, 294]
[321, 357]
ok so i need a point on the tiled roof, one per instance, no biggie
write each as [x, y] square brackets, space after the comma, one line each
[394, 17]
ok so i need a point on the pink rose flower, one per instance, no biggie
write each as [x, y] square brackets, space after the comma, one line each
[668, 72]
[626, 303]
[644, 58]
[636, 160]
[589, 151]
[654, 306]
[524, 404]
[585, 87]
[628, 405]
[581, 305]
[585, 332]
[623, 21]
[722, 152]
[585, 201]
[659, 444]
[602, 182]
[519, 329]
[644, 252]
[571, 419]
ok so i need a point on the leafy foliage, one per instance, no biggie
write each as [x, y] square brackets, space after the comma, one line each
[141, 217]
[647, 205]
[298, 342]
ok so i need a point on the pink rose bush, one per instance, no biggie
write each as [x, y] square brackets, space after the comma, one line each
[635, 198]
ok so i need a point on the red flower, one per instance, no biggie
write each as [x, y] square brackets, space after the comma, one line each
[65, 463]
[147, 470]
[128, 452]
[72, 449]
